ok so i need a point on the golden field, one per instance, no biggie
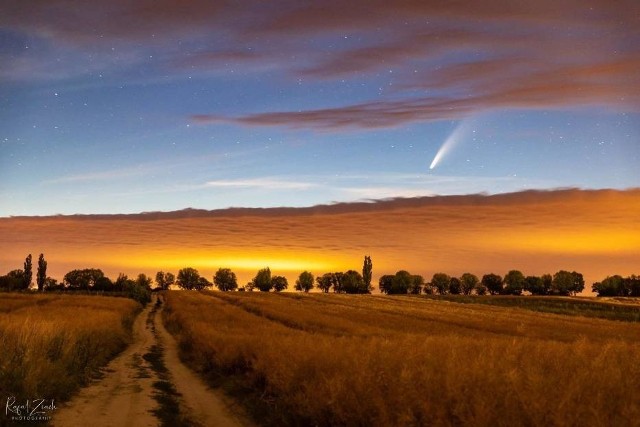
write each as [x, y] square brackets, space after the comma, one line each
[326, 359]
[51, 344]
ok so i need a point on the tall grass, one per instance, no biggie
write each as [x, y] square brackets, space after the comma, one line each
[625, 309]
[358, 360]
[52, 344]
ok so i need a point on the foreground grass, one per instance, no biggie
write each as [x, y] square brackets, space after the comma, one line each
[52, 344]
[362, 360]
[622, 309]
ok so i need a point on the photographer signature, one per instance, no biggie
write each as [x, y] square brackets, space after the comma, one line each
[29, 407]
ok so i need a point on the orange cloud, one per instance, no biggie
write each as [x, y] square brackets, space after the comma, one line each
[594, 232]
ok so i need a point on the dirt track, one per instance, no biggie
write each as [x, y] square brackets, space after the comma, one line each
[147, 385]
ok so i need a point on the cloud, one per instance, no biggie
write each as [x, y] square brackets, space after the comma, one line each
[436, 60]
[260, 183]
[529, 231]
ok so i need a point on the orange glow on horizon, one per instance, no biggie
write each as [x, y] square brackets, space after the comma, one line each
[596, 233]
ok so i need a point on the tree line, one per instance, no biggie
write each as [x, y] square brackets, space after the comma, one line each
[514, 282]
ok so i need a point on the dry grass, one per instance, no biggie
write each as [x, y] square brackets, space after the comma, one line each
[52, 344]
[369, 360]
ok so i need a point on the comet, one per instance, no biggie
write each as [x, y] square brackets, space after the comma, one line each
[450, 142]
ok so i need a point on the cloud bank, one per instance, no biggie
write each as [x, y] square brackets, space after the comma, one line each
[535, 231]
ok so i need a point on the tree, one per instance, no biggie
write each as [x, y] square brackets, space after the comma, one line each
[632, 283]
[144, 281]
[165, 280]
[567, 283]
[83, 279]
[547, 281]
[203, 284]
[611, 286]
[455, 286]
[481, 289]
[578, 283]
[250, 286]
[469, 282]
[385, 283]
[12, 281]
[513, 282]
[262, 281]
[103, 284]
[493, 283]
[304, 282]
[401, 282]
[51, 284]
[352, 282]
[417, 283]
[121, 281]
[225, 280]
[440, 282]
[324, 282]
[535, 285]
[337, 283]
[27, 276]
[41, 276]
[367, 269]
[188, 278]
[279, 283]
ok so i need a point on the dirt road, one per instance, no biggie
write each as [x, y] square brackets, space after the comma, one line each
[147, 385]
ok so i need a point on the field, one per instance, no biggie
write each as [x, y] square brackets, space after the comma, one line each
[325, 359]
[52, 344]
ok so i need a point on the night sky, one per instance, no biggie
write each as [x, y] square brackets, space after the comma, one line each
[130, 106]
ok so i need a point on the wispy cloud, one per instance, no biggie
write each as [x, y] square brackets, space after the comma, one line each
[110, 175]
[261, 183]
[446, 60]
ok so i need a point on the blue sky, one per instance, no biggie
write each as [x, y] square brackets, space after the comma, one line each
[115, 107]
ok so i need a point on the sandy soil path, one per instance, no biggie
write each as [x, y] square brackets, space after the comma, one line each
[139, 389]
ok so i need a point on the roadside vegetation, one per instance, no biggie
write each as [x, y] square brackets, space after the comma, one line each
[53, 343]
[316, 359]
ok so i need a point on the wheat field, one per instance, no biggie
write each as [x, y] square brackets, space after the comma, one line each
[324, 359]
[52, 344]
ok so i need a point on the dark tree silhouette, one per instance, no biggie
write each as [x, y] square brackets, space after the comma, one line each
[27, 276]
[547, 283]
[262, 281]
[455, 286]
[513, 282]
[469, 283]
[417, 283]
[352, 282]
[493, 283]
[611, 286]
[41, 275]
[225, 280]
[203, 284]
[188, 278]
[165, 280]
[367, 271]
[83, 279]
[144, 281]
[279, 283]
[325, 282]
[535, 285]
[440, 282]
[12, 281]
[401, 282]
[567, 283]
[304, 282]
[385, 283]
[633, 284]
